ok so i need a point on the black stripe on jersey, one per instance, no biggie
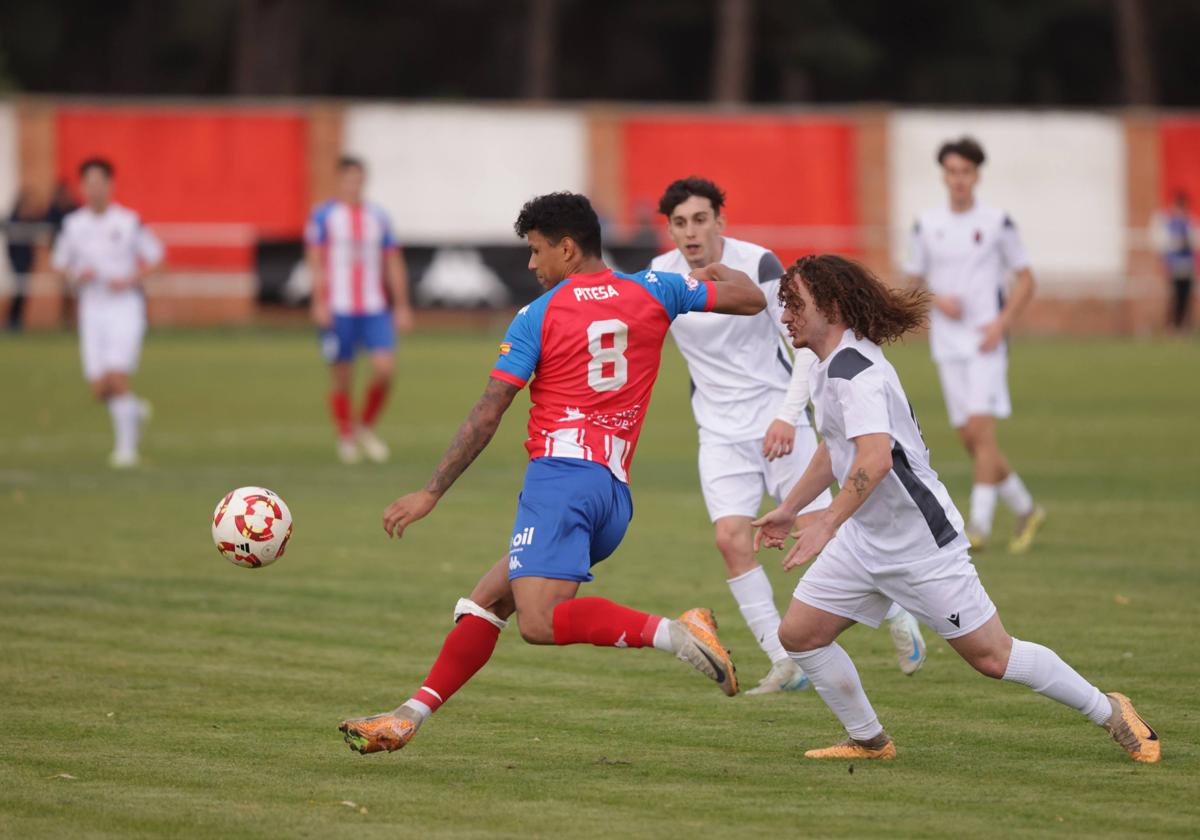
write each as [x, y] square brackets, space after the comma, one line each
[943, 532]
[848, 363]
[769, 268]
[1008, 222]
[691, 387]
[783, 359]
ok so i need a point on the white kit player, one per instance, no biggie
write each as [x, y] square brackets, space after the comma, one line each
[750, 400]
[105, 252]
[964, 252]
[892, 535]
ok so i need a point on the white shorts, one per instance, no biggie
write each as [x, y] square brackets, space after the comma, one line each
[734, 476]
[110, 338]
[975, 387]
[943, 591]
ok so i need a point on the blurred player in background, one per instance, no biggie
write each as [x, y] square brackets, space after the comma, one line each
[105, 252]
[592, 345]
[892, 534]
[1176, 238]
[964, 251]
[352, 252]
[750, 400]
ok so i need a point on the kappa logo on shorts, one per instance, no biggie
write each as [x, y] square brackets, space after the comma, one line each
[953, 619]
[524, 538]
[513, 563]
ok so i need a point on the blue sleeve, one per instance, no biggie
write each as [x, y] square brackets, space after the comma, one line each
[316, 232]
[389, 235]
[522, 347]
[677, 294]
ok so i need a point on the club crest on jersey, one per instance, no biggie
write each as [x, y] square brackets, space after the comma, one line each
[505, 347]
[596, 293]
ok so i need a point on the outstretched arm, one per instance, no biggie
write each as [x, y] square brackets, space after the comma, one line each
[734, 293]
[471, 438]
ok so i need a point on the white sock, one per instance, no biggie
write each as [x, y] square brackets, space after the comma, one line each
[894, 612]
[756, 600]
[127, 419]
[983, 508]
[1042, 670]
[423, 711]
[662, 636]
[1014, 494]
[836, 680]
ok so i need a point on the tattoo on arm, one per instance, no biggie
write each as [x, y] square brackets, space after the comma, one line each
[473, 435]
[859, 481]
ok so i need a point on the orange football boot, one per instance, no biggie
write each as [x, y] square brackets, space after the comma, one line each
[694, 637]
[880, 747]
[377, 733]
[1129, 730]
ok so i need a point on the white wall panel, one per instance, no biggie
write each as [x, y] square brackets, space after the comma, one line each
[458, 174]
[8, 174]
[1060, 176]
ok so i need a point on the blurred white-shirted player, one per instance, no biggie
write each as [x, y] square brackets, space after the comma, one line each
[964, 251]
[750, 399]
[352, 252]
[106, 252]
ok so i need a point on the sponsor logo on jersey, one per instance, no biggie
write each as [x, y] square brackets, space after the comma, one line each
[524, 538]
[596, 293]
[651, 277]
[505, 347]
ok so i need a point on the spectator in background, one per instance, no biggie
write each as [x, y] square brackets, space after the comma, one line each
[22, 235]
[61, 204]
[1175, 238]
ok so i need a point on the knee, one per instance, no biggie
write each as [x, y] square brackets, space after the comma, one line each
[800, 639]
[537, 628]
[991, 663]
[737, 548]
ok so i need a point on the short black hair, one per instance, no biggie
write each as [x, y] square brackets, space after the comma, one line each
[350, 162]
[683, 189]
[966, 147]
[560, 214]
[103, 164]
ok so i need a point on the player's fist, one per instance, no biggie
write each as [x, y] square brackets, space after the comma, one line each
[320, 314]
[772, 529]
[406, 510]
[86, 276]
[710, 272]
[402, 317]
[779, 440]
[993, 334]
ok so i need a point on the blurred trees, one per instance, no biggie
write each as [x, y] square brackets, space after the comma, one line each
[991, 52]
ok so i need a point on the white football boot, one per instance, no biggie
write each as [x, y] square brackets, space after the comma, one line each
[785, 675]
[909, 644]
[374, 448]
[347, 451]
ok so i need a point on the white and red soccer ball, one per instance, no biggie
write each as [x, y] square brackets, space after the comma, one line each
[251, 527]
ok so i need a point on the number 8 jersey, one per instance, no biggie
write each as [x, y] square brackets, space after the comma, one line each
[593, 345]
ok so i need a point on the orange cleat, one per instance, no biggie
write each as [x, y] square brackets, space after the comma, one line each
[1129, 730]
[377, 733]
[694, 637]
[881, 747]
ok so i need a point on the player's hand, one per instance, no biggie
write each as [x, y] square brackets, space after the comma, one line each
[812, 535]
[993, 334]
[122, 284]
[402, 317]
[779, 439]
[85, 276]
[772, 529]
[949, 306]
[321, 315]
[406, 510]
[709, 272]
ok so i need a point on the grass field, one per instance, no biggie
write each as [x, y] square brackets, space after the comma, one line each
[150, 688]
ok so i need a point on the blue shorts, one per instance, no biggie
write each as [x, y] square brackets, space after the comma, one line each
[570, 516]
[349, 332]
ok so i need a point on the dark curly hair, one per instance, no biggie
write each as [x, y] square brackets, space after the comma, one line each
[560, 214]
[965, 147]
[847, 291]
[680, 191]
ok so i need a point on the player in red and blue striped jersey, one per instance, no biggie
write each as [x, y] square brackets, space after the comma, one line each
[352, 252]
[590, 347]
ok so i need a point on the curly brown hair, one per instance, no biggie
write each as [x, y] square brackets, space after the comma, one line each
[847, 291]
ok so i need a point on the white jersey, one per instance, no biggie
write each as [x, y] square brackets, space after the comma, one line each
[909, 516]
[969, 256]
[738, 364]
[112, 245]
[353, 239]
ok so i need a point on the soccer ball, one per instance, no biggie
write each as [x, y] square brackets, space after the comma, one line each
[251, 527]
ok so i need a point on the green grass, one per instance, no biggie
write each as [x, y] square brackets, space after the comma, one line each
[188, 697]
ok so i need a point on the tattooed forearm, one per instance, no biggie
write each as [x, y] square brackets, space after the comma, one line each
[473, 435]
[859, 481]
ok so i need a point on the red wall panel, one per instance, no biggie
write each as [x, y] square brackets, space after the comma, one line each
[197, 165]
[1179, 140]
[778, 173]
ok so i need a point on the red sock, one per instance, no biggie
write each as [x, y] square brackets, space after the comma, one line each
[339, 406]
[467, 648]
[377, 394]
[598, 621]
